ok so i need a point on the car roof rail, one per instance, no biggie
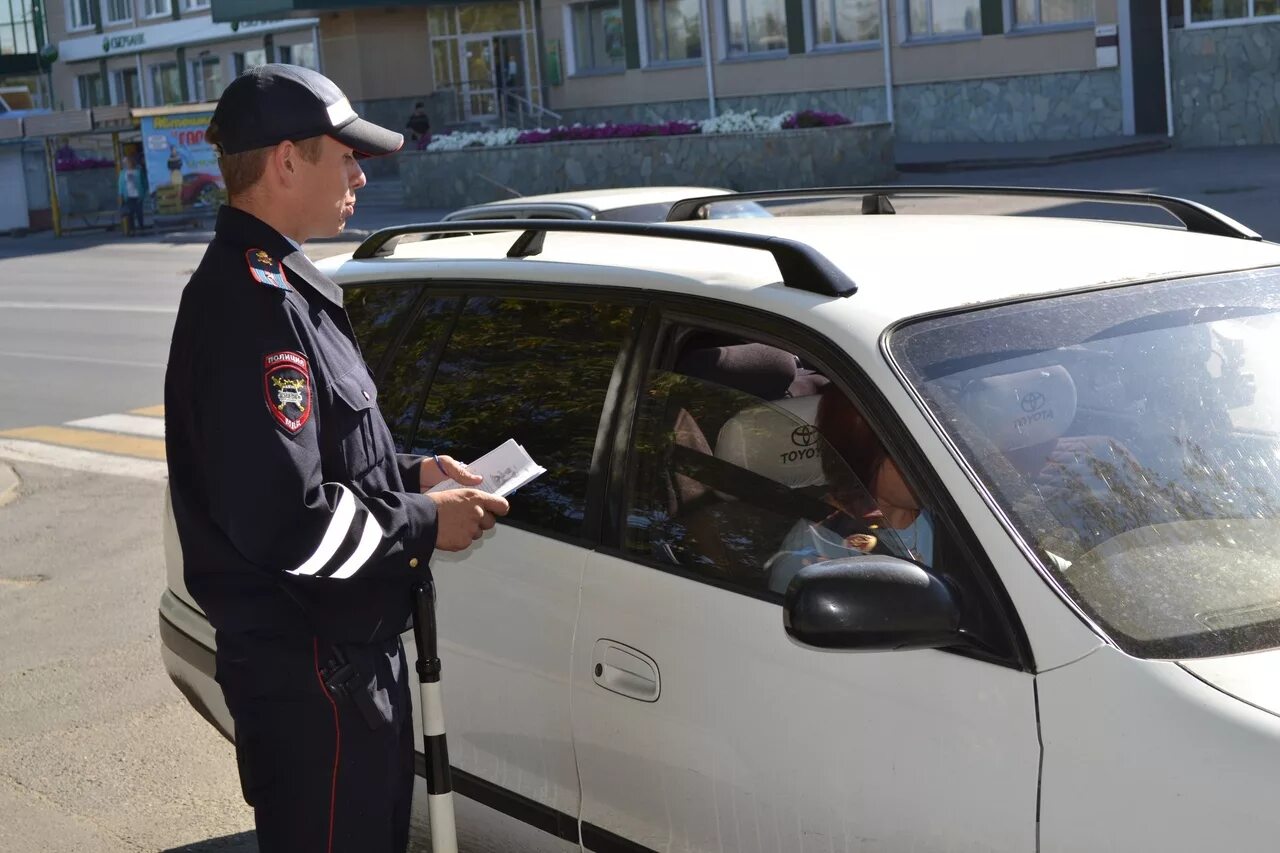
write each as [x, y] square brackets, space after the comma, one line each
[802, 266]
[1196, 217]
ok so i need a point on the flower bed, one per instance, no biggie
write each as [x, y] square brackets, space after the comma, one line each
[724, 123]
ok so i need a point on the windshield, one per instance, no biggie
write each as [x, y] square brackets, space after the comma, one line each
[1132, 437]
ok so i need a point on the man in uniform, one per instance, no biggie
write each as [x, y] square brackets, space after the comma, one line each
[303, 533]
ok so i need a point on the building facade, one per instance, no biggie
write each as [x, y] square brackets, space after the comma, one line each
[1208, 71]
[148, 53]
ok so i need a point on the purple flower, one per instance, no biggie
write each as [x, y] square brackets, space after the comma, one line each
[815, 118]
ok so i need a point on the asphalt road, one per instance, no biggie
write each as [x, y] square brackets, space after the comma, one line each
[97, 750]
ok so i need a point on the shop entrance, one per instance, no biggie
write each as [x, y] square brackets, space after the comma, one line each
[484, 55]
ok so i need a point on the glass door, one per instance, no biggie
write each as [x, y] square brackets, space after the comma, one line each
[479, 95]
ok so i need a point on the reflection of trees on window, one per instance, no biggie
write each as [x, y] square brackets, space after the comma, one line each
[533, 370]
[756, 26]
[403, 383]
[675, 30]
[845, 21]
[374, 311]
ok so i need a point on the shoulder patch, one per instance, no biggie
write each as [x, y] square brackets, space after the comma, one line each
[266, 269]
[286, 382]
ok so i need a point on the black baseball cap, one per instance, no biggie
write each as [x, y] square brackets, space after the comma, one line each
[271, 103]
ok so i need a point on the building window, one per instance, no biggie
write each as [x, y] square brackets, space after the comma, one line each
[1035, 13]
[755, 26]
[597, 36]
[127, 88]
[249, 59]
[930, 18]
[206, 78]
[1209, 11]
[80, 14]
[91, 91]
[193, 5]
[156, 8]
[674, 29]
[119, 11]
[299, 54]
[166, 84]
[845, 22]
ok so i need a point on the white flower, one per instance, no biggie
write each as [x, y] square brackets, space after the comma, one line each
[747, 122]
[474, 139]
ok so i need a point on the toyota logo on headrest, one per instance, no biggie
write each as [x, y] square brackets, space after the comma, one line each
[1033, 402]
[804, 436]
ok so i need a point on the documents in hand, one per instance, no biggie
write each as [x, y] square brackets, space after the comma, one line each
[505, 468]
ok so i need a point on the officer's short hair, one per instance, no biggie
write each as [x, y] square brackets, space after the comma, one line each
[241, 171]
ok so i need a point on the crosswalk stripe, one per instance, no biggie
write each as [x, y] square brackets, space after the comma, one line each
[88, 439]
[149, 411]
[82, 460]
[127, 424]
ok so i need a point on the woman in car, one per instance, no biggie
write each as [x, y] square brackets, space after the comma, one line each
[883, 516]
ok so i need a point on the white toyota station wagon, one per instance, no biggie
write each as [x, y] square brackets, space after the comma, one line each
[879, 532]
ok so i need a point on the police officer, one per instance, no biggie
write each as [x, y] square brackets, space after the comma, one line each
[302, 531]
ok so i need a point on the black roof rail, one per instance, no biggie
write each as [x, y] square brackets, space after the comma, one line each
[1196, 217]
[802, 267]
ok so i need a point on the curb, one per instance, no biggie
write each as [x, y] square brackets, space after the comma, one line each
[9, 483]
[1144, 147]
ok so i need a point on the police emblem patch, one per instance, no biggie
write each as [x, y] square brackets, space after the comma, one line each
[287, 384]
[266, 269]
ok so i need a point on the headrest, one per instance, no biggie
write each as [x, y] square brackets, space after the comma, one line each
[756, 369]
[776, 440]
[1016, 410]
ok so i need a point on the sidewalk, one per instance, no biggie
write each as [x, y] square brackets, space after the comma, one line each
[966, 156]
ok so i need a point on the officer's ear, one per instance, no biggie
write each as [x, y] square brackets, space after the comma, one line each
[284, 162]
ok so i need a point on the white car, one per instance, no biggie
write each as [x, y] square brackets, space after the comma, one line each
[882, 533]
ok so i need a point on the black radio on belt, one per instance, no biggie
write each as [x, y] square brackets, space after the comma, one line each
[345, 683]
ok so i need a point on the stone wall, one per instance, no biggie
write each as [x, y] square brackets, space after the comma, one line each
[1226, 85]
[850, 154]
[1074, 105]
[861, 105]
[1041, 107]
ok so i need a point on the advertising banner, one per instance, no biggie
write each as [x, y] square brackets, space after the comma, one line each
[182, 168]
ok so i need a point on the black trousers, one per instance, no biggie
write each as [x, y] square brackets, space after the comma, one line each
[325, 769]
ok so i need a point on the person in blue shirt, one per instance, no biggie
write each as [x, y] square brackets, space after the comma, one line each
[875, 510]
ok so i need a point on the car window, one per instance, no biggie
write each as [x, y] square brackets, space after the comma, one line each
[535, 370]
[1132, 436]
[404, 381]
[375, 311]
[748, 466]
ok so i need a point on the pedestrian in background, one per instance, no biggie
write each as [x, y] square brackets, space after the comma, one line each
[303, 533]
[132, 190]
[419, 125]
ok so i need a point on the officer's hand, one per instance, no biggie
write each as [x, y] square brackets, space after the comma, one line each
[430, 473]
[463, 515]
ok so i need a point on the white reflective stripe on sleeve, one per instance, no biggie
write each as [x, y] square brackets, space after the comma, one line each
[370, 537]
[333, 535]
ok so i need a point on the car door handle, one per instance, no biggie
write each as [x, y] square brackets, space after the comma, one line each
[626, 671]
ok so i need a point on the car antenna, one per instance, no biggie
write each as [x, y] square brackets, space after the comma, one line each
[504, 187]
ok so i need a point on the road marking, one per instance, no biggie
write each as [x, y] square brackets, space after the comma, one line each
[127, 424]
[81, 360]
[90, 306]
[125, 445]
[150, 411]
[82, 460]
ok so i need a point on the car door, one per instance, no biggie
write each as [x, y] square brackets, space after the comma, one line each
[476, 367]
[699, 724]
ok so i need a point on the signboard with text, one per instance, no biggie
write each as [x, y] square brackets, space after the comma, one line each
[182, 168]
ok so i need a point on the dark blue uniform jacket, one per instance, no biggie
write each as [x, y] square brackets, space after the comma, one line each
[294, 512]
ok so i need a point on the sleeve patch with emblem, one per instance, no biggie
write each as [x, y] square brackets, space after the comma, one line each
[287, 383]
[266, 269]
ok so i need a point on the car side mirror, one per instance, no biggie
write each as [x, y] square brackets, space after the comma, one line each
[871, 603]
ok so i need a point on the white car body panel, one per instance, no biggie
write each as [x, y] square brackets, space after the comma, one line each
[506, 614]
[1141, 755]
[760, 744]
